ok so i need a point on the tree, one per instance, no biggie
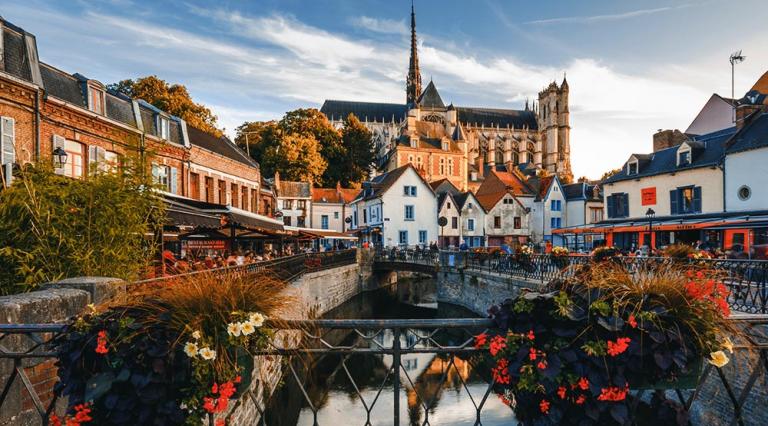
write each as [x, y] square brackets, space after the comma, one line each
[609, 173]
[54, 227]
[296, 157]
[174, 99]
[359, 155]
[311, 122]
[255, 137]
[583, 179]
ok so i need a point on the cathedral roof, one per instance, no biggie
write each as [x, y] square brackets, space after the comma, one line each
[430, 98]
[339, 110]
[498, 117]
[459, 134]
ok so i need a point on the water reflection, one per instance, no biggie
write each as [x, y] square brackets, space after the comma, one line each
[354, 389]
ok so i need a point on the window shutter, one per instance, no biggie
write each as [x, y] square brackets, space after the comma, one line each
[697, 199]
[673, 201]
[625, 211]
[172, 182]
[610, 200]
[8, 154]
[58, 142]
[7, 170]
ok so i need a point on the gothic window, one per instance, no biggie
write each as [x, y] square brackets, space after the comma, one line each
[499, 156]
[515, 158]
[434, 118]
[531, 147]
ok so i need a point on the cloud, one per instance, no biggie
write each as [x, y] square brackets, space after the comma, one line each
[384, 26]
[606, 18]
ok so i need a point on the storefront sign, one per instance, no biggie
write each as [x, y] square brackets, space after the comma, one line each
[648, 196]
[204, 244]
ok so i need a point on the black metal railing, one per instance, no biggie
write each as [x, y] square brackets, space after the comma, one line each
[24, 345]
[747, 280]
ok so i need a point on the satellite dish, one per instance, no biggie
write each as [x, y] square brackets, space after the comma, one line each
[442, 221]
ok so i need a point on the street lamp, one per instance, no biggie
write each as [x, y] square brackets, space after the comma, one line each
[650, 214]
[59, 157]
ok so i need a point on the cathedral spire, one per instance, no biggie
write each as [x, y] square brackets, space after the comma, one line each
[413, 82]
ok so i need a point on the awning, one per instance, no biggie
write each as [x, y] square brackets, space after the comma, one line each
[182, 214]
[728, 220]
[209, 215]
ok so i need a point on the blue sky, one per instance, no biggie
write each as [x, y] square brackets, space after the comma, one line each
[633, 66]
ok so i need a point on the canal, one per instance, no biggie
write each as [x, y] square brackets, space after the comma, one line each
[448, 385]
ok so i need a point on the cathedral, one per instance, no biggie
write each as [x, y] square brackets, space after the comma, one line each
[462, 144]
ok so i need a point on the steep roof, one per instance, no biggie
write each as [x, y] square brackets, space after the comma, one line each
[461, 198]
[575, 191]
[444, 185]
[540, 185]
[430, 98]
[761, 85]
[290, 189]
[381, 183]
[709, 153]
[339, 110]
[334, 195]
[497, 117]
[752, 136]
[512, 182]
[222, 146]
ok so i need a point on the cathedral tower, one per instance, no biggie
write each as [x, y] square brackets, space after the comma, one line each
[554, 124]
[413, 81]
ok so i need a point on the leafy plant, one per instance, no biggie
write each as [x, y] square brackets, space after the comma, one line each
[54, 227]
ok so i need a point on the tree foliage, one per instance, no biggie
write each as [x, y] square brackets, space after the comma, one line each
[54, 227]
[609, 173]
[346, 155]
[296, 157]
[172, 98]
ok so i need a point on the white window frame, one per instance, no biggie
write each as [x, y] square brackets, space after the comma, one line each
[7, 139]
[163, 127]
[93, 102]
[405, 213]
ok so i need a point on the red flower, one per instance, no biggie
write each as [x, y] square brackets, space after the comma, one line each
[215, 389]
[532, 354]
[561, 392]
[505, 400]
[82, 413]
[101, 343]
[221, 422]
[580, 400]
[238, 379]
[621, 345]
[208, 405]
[583, 383]
[613, 393]
[480, 340]
[501, 372]
[544, 406]
[632, 321]
[497, 344]
[542, 365]
[54, 420]
[531, 336]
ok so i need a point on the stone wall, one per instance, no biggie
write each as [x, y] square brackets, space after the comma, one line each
[478, 290]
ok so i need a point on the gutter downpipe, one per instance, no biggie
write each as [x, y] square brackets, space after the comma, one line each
[37, 124]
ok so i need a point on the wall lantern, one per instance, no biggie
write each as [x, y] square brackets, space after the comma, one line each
[59, 157]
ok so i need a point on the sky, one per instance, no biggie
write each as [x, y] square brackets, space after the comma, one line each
[633, 67]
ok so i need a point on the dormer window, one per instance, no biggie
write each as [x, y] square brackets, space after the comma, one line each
[414, 142]
[632, 168]
[163, 127]
[683, 158]
[445, 146]
[96, 99]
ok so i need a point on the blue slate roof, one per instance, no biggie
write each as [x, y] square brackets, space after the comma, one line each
[752, 136]
[339, 110]
[708, 151]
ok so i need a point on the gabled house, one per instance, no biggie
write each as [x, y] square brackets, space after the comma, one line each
[507, 200]
[397, 208]
[331, 207]
[549, 209]
[472, 218]
[584, 206]
[294, 202]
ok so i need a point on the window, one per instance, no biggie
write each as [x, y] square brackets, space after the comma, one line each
[209, 194]
[301, 221]
[163, 127]
[409, 212]
[301, 204]
[685, 200]
[403, 237]
[518, 222]
[497, 222]
[234, 198]
[450, 167]
[555, 222]
[287, 220]
[618, 205]
[194, 186]
[442, 166]
[8, 131]
[254, 200]
[470, 224]
[744, 193]
[595, 214]
[76, 159]
[455, 222]
[365, 215]
[422, 237]
[556, 205]
[96, 100]
[244, 194]
[335, 215]
[409, 191]
[449, 204]
[632, 168]
[222, 192]
[324, 221]
[683, 158]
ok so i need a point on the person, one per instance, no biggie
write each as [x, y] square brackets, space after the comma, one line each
[463, 246]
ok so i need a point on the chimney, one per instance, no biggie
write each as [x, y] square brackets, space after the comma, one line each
[663, 139]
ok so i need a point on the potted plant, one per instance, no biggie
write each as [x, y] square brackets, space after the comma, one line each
[573, 355]
[169, 355]
[560, 257]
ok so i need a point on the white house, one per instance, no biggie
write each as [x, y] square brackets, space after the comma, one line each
[507, 201]
[548, 211]
[294, 202]
[330, 208]
[584, 206]
[472, 217]
[397, 208]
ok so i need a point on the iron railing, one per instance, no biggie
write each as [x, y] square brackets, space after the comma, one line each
[23, 345]
[747, 280]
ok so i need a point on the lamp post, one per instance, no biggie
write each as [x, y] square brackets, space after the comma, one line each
[650, 214]
[59, 157]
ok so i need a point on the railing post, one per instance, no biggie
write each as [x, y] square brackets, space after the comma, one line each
[396, 376]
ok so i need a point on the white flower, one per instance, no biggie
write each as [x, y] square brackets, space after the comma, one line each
[207, 353]
[191, 349]
[718, 359]
[234, 329]
[257, 319]
[197, 335]
[247, 328]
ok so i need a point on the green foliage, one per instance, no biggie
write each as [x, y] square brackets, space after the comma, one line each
[54, 227]
[172, 98]
[297, 157]
[360, 155]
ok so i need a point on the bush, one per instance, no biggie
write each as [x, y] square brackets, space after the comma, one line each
[54, 227]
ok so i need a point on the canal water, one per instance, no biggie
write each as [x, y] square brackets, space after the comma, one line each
[333, 394]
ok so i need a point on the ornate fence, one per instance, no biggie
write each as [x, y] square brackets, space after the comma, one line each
[394, 341]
